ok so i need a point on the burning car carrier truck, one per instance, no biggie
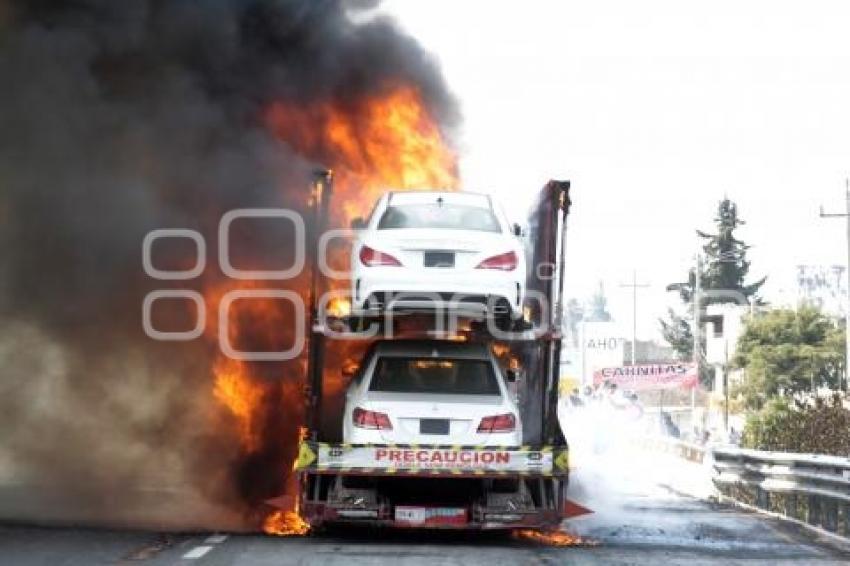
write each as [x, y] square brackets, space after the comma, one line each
[445, 485]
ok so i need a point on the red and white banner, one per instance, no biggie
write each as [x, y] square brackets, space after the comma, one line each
[649, 376]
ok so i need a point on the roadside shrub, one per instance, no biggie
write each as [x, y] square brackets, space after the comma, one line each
[819, 427]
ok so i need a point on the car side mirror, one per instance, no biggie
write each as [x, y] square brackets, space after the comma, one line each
[517, 229]
[358, 224]
[513, 375]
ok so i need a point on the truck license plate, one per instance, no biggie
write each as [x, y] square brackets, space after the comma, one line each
[411, 516]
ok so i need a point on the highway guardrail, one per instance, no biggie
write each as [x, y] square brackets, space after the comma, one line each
[810, 488]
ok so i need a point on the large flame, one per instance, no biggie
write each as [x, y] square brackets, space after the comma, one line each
[285, 524]
[241, 396]
[385, 141]
[552, 537]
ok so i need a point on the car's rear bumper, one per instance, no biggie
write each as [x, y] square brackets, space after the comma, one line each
[356, 435]
[493, 294]
[475, 518]
[457, 303]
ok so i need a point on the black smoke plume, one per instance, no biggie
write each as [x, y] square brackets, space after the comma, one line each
[117, 118]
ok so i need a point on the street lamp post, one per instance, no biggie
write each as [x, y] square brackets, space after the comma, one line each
[724, 257]
[845, 215]
[696, 332]
[634, 285]
[729, 256]
[726, 385]
[697, 312]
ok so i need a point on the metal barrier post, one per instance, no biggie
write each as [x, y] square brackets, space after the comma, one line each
[830, 515]
[813, 512]
[762, 498]
[791, 505]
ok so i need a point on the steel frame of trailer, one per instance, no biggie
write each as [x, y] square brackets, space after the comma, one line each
[520, 496]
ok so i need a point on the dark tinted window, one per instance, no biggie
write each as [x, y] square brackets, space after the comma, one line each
[428, 375]
[447, 216]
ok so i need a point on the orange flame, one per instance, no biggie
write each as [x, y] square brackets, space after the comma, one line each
[499, 349]
[551, 537]
[339, 307]
[387, 140]
[235, 391]
[285, 524]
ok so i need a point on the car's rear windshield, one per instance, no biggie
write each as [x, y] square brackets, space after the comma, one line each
[429, 375]
[441, 216]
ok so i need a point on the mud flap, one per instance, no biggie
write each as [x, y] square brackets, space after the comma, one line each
[572, 509]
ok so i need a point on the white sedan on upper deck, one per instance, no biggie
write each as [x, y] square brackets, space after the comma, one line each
[431, 250]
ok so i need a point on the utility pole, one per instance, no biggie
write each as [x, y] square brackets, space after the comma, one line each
[726, 385]
[634, 285]
[697, 355]
[845, 215]
[697, 308]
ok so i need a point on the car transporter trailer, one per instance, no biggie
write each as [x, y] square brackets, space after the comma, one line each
[451, 486]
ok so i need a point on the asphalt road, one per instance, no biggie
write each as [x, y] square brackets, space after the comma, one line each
[641, 518]
[687, 533]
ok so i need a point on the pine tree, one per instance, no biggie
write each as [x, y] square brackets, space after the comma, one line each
[726, 265]
[722, 279]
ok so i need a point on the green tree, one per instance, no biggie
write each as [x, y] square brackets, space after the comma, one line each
[727, 265]
[818, 427]
[723, 278]
[786, 352]
[676, 330]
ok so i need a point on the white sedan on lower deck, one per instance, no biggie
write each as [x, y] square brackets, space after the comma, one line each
[431, 392]
[432, 250]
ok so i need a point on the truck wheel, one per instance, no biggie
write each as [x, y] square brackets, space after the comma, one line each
[356, 323]
[504, 322]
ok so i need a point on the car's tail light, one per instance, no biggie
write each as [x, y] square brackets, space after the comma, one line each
[371, 419]
[373, 258]
[498, 423]
[505, 262]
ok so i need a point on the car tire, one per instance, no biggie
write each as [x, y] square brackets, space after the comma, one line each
[356, 323]
[505, 322]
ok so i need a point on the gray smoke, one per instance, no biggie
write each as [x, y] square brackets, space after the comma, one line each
[117, 118]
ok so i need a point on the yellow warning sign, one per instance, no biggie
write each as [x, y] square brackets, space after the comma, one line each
[306, 456]
[562, 460]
